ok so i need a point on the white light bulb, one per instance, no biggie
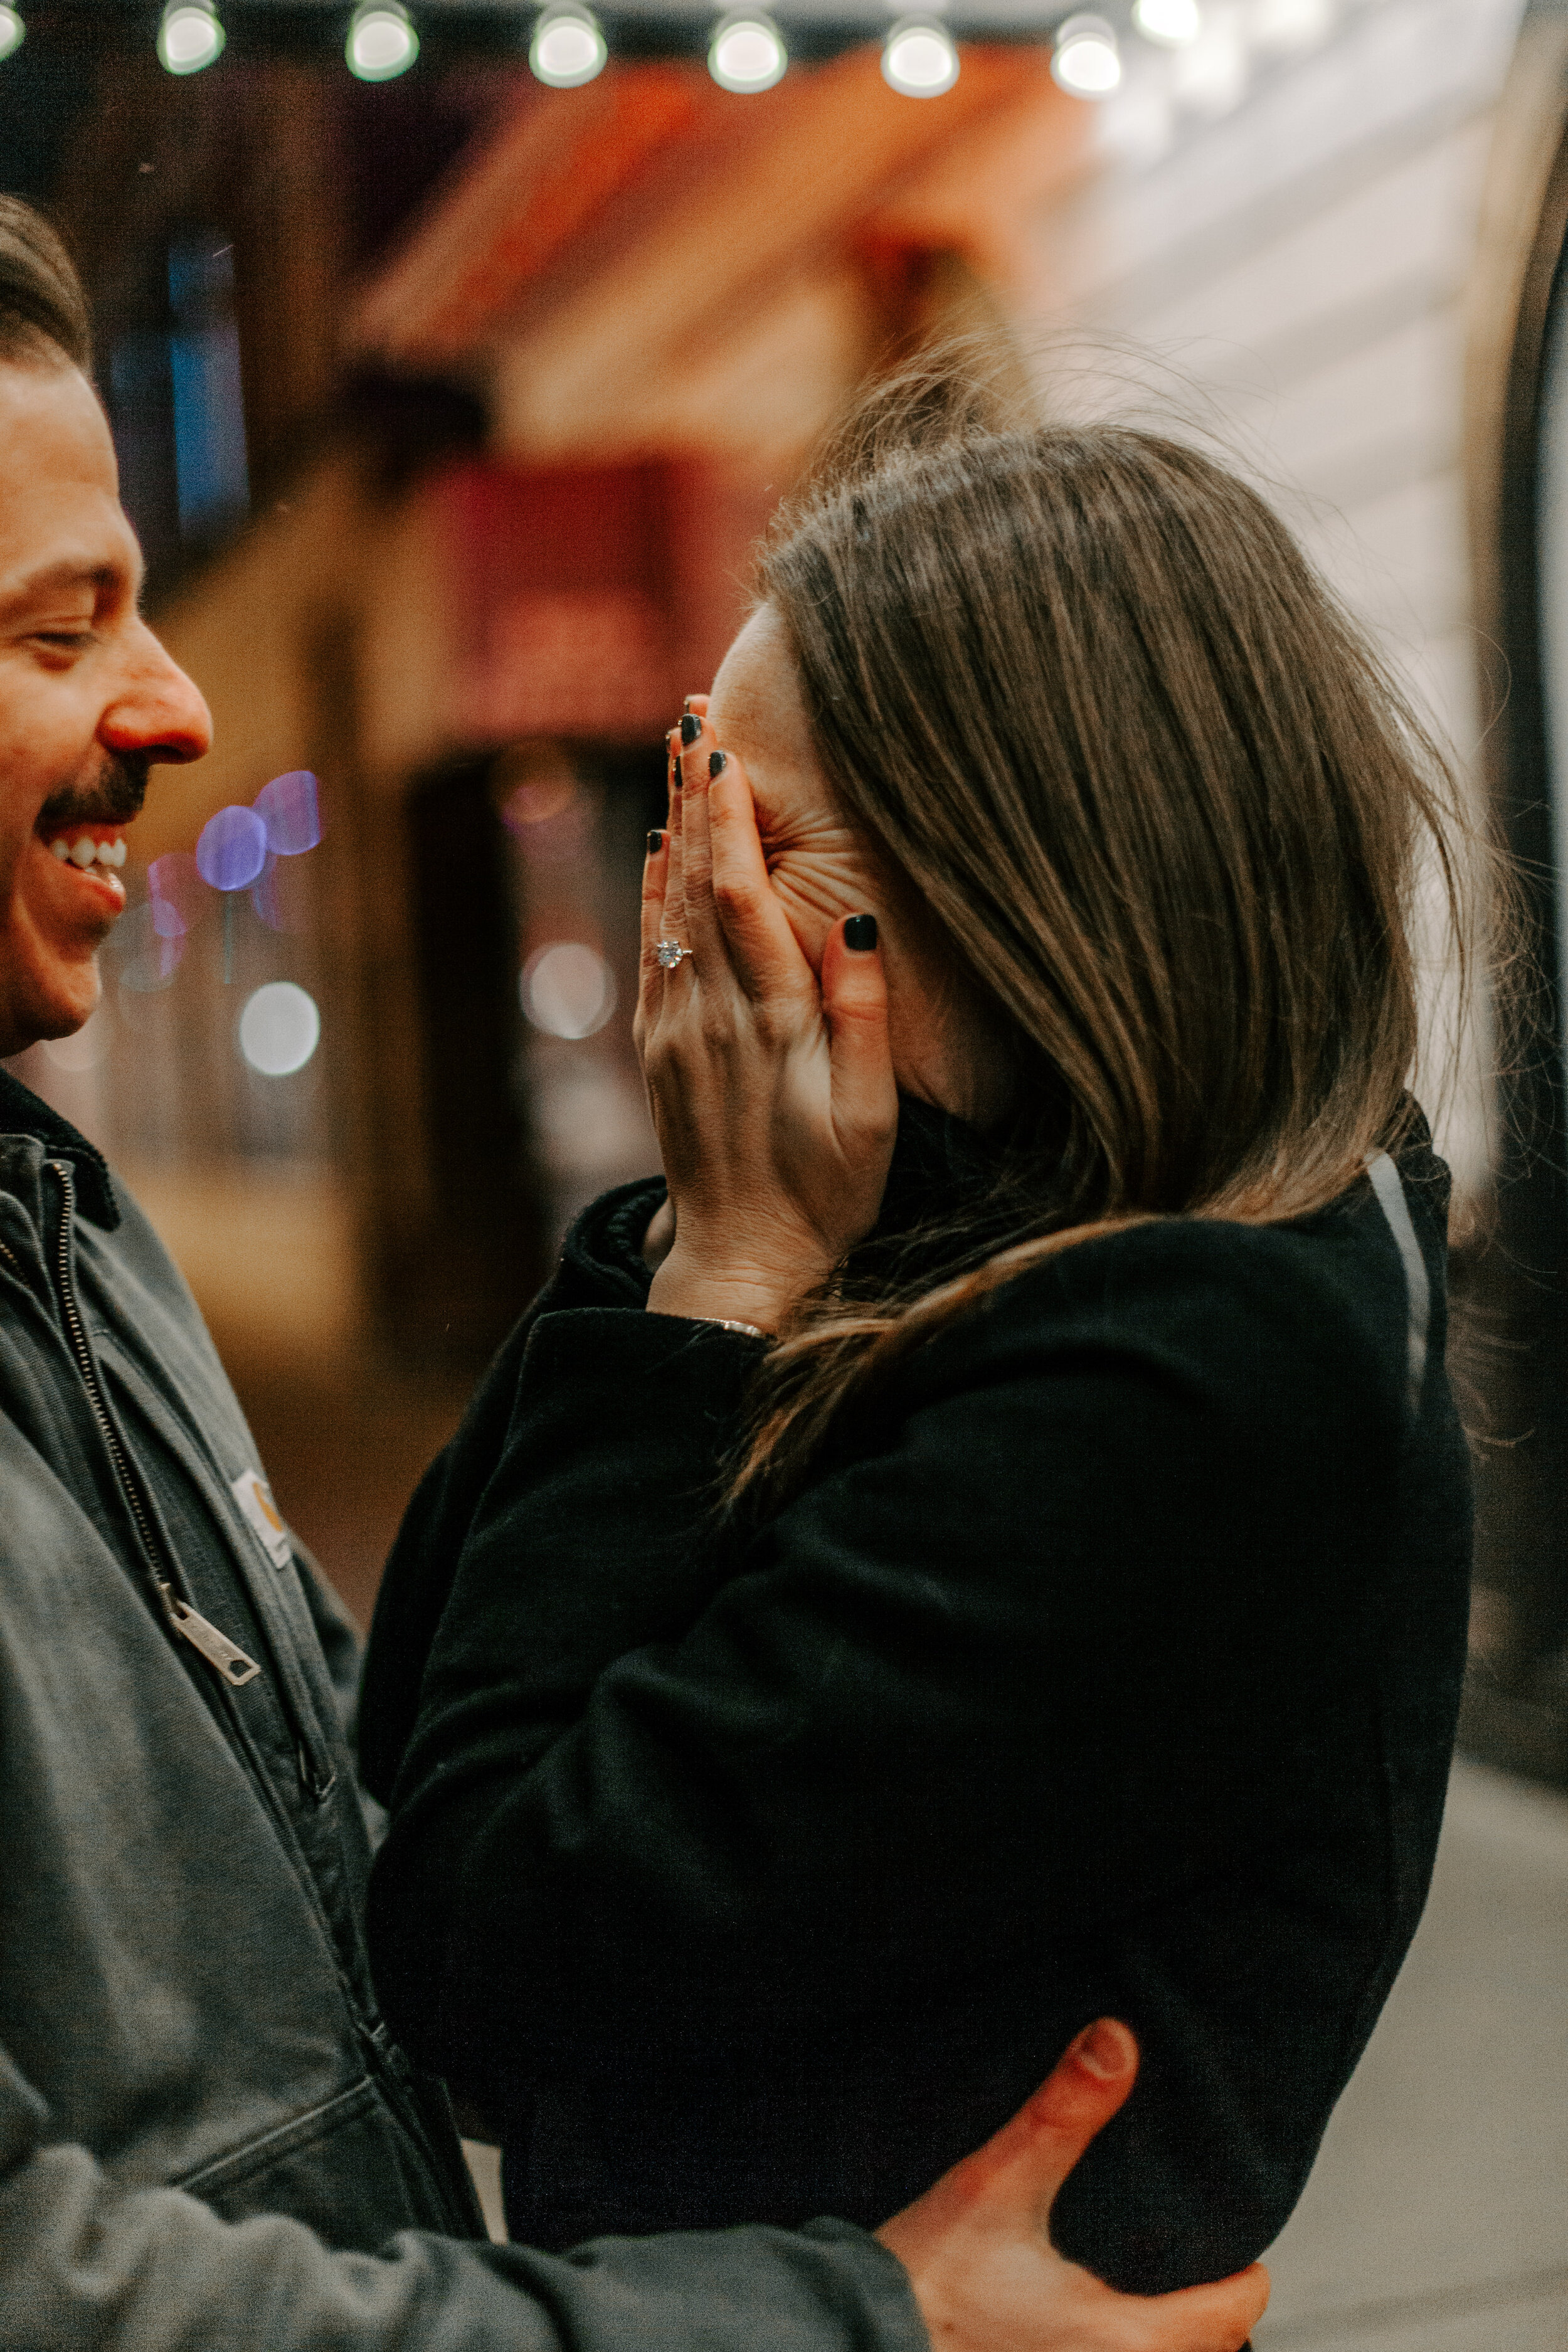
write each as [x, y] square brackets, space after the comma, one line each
[12, 32]
[567, 49]
[746, 54]
[279, 1029]
[1211, 76]
[382, 42]
[918, 59]
[1086, 61]
[1289, 27]
[1172, 23]
[189, 37]
[567, 989]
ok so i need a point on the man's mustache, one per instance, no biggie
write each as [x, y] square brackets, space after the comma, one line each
[114, 796]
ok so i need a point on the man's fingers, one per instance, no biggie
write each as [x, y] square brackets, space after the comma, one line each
[1218, 2318]
[1014, 2178]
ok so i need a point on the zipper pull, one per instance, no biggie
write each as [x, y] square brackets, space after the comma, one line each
[216, 1648]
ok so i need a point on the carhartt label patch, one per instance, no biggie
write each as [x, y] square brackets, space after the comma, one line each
[254, 1496]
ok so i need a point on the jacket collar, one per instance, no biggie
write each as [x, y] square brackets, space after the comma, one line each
[22, 1112]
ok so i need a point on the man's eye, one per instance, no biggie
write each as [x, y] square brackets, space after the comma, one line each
[66, 640]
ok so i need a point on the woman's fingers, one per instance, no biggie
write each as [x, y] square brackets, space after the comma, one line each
[860, 1059]
[704, 933]
[763, 950]
[650, 978]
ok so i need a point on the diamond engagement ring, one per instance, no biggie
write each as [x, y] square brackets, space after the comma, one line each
[668, 953]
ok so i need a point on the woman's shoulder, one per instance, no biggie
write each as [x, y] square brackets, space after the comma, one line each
[1256, 1318]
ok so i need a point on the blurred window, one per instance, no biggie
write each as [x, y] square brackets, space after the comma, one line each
[177, 400]
[211, 473]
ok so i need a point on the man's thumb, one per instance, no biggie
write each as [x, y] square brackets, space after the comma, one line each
[1012, 2180]
[1091, 2079]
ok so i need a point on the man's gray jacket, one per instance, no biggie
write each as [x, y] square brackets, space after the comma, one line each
[189, 2039]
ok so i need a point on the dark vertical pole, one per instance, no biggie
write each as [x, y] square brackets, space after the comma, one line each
[1519, 1287]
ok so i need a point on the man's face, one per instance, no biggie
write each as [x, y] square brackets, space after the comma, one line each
[88, 700]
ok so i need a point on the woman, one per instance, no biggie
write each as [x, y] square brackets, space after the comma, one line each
[989, 1547]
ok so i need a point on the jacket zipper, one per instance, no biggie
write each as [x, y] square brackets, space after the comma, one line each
[226, 1657]
[235, 1669]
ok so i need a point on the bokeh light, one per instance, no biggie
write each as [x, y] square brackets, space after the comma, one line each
[382, 42]
[567, 989]
[1172, 23]
[1086, 60]
[918, 59]
[290, 809]
[746, 54]
[189, 37]
[1289, 27]
[12, 32]
[231, 848]
[147, 958]
[279, 1029]
[567, 49]
[87, 1046]
[176, 894]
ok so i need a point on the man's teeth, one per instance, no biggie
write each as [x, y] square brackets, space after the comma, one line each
[84, 851]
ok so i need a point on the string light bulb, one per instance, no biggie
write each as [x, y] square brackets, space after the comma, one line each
[190, 36]
[1086, 61]
[567, 49]
[747, 52]
[382, 42]
[918, 59]
[1171, 23]
[12, 32]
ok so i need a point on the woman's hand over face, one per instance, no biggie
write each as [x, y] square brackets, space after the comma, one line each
[977, 2249]
[773, 1095]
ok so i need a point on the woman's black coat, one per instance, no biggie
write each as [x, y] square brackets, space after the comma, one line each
[1108, 1662]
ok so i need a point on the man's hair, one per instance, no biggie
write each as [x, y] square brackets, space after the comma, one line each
[42, 311]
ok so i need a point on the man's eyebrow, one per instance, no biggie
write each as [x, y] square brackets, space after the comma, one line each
[67, 572]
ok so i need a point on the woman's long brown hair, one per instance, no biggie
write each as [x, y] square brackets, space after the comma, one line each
[1088, 696]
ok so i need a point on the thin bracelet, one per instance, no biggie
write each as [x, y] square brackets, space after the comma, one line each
[751, 1330]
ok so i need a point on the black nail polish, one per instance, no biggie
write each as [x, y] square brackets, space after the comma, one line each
[690, 727]
[654, 844]
[676, 777]
[860, 933]
[717, 762]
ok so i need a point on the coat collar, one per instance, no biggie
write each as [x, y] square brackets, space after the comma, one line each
[22, 1112]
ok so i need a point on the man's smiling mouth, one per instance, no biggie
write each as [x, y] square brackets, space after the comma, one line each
[92, 855]
[86, 844]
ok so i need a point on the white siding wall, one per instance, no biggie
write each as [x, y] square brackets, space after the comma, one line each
[1302, 259]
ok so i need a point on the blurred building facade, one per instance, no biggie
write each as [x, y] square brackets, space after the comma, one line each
[449, 412]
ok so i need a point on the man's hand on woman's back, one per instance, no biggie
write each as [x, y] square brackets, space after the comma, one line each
[985, 2274]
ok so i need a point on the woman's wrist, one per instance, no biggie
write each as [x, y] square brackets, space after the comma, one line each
[733, 1293]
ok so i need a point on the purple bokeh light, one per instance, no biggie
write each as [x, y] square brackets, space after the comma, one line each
[290, 807]
[232, 848]
[176, 893]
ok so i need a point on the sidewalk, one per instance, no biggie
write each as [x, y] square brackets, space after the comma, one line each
[1437, 2219]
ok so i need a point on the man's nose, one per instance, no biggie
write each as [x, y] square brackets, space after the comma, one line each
[157, 709]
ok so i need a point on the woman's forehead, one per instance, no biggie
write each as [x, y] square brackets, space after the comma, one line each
[757, 712]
